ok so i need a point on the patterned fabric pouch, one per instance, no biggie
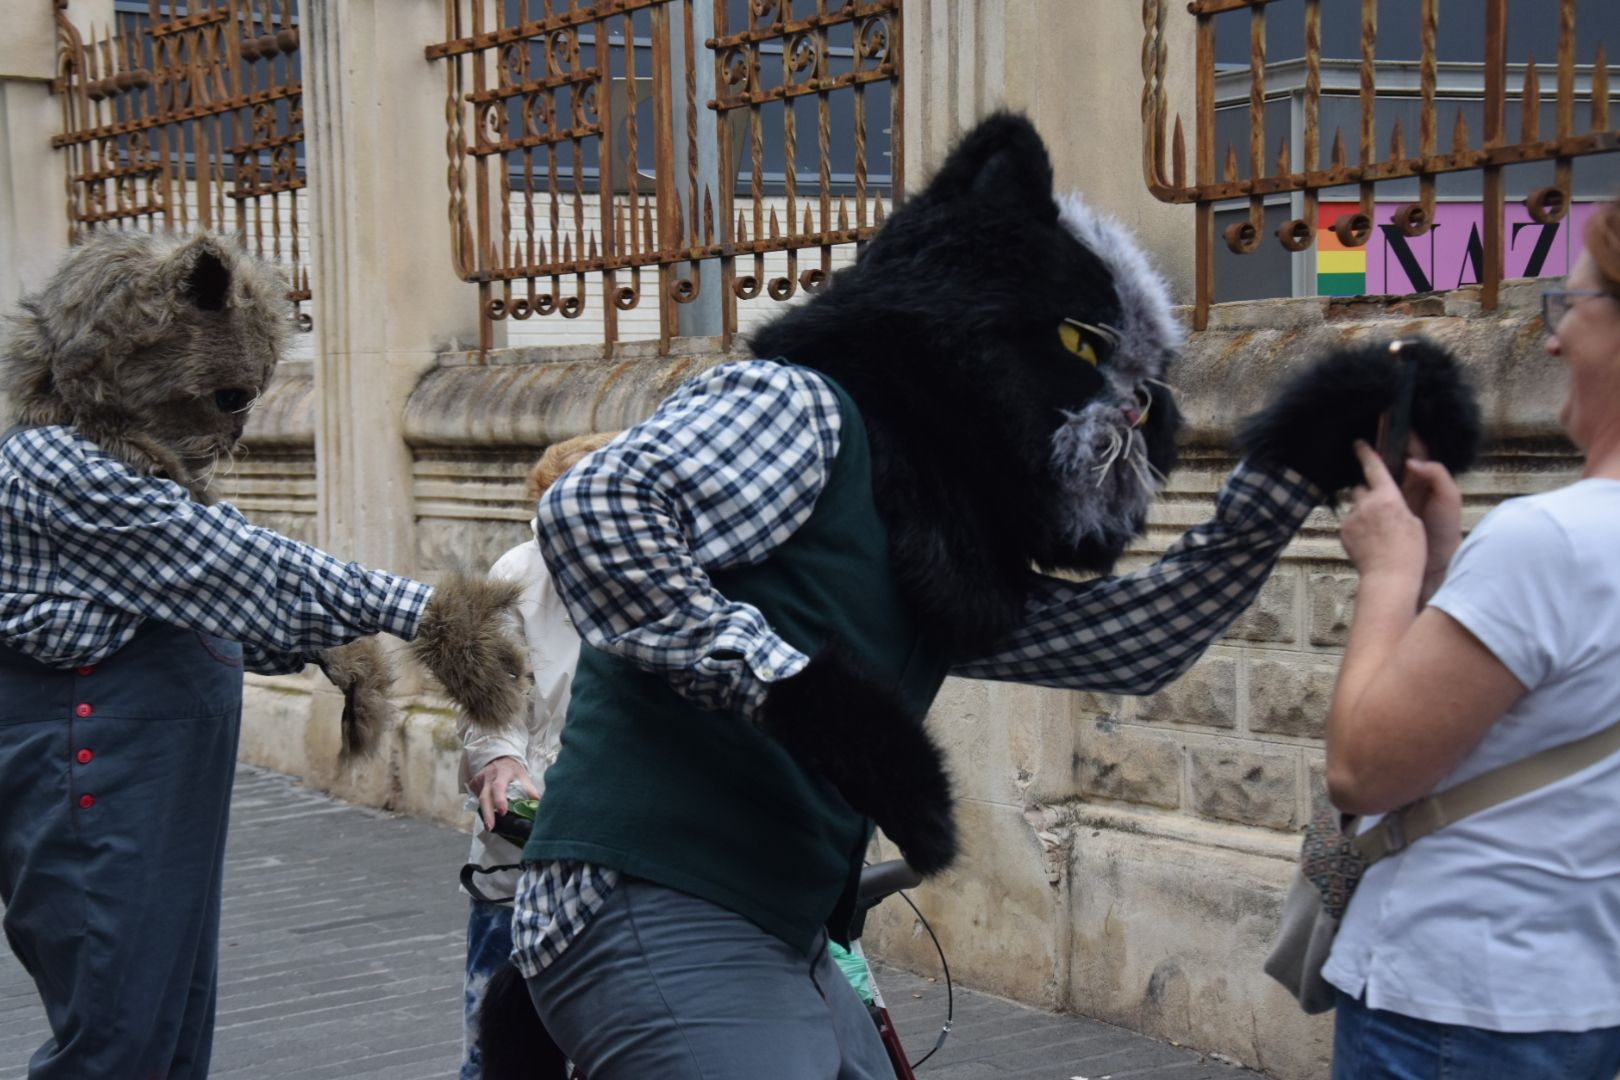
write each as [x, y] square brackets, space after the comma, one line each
[1330, 866]
[1330, 859]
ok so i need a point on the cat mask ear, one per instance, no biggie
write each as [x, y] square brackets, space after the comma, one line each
[1004, 160]
[207, 280]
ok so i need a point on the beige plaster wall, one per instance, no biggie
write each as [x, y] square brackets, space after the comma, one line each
[33, 192]
[1074, 67]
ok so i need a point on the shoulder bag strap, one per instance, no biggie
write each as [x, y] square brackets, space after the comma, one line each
[1418, 819]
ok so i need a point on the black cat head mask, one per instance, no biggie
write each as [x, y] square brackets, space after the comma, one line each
[1020, 338]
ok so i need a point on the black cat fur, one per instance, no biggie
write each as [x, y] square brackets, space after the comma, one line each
[897, 779]
[1314, 417]
[515, 1046]
[944, 333]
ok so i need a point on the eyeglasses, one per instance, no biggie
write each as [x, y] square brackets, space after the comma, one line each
[1555, 303]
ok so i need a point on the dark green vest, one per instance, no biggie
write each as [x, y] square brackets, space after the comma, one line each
[700, 801]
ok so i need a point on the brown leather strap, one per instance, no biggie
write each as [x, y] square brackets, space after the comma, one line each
[1418, 819]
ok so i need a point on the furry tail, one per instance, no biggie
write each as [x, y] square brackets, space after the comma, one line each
[1316, 415]
[362, 672]
[515, 1044]
[833, 718]
[464, 640]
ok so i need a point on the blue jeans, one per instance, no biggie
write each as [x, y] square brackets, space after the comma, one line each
[662, 984]
[489, 943]
[1375, 1044]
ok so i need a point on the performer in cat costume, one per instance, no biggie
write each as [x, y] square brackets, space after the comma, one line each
[130, 604]
[774, 574]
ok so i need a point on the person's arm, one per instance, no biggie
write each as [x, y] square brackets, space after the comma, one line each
[1134, 633]
[1416, 691]
[722, 474]
[139, 544]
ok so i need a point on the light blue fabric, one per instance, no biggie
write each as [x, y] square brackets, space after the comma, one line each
[115, 787]
[489, 943]
[662, 984]
[1375, 1044]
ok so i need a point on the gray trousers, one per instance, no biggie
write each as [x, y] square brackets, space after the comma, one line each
[661, 984]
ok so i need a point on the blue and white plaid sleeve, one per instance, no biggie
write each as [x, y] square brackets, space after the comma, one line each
[722, 474]
[108, 544]
[1134, 633]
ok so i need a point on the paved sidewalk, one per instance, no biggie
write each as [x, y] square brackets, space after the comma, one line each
[341, 953]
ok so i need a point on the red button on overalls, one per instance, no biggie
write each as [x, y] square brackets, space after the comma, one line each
[86, 801]
[84, 710]
[88, 669]
[85, 756]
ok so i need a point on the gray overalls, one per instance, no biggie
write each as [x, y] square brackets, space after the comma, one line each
[115, 785]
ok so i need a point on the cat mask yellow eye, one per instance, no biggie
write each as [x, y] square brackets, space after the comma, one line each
[1090, 342]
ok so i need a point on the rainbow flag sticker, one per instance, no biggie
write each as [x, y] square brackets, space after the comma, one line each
[1340, 271]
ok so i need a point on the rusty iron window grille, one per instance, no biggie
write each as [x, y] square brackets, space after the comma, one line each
[1164, 152]
[620, 146]
[188, 116]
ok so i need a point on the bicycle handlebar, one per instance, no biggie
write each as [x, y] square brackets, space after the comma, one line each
[884, 879]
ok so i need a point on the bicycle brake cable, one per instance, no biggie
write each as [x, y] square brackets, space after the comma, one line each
[950, 996]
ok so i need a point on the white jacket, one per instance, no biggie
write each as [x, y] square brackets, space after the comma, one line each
[532, 736]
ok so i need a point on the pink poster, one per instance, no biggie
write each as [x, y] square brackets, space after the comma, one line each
[1451, 254]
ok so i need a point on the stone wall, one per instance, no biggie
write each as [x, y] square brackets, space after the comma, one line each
[1124, 858]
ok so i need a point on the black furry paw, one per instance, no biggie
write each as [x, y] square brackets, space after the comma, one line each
[1319, 412]
[515, 1044]
[878, 755]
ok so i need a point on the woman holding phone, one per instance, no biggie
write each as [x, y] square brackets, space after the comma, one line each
[1491, 947]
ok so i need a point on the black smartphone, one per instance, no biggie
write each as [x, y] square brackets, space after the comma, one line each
[1395, 426]
[513, 827]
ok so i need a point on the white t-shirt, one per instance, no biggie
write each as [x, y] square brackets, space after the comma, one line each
[1509, 920]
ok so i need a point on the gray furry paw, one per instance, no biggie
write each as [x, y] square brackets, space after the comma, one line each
[361, 671]
[834, 719]
[1319, 412]
[465, 642]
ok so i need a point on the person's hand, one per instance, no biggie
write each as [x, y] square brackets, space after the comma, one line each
[490, 782]
[1433, 496]
[1381, 534]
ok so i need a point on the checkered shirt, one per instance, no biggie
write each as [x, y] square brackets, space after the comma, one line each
[89, 549]
[725, 471]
